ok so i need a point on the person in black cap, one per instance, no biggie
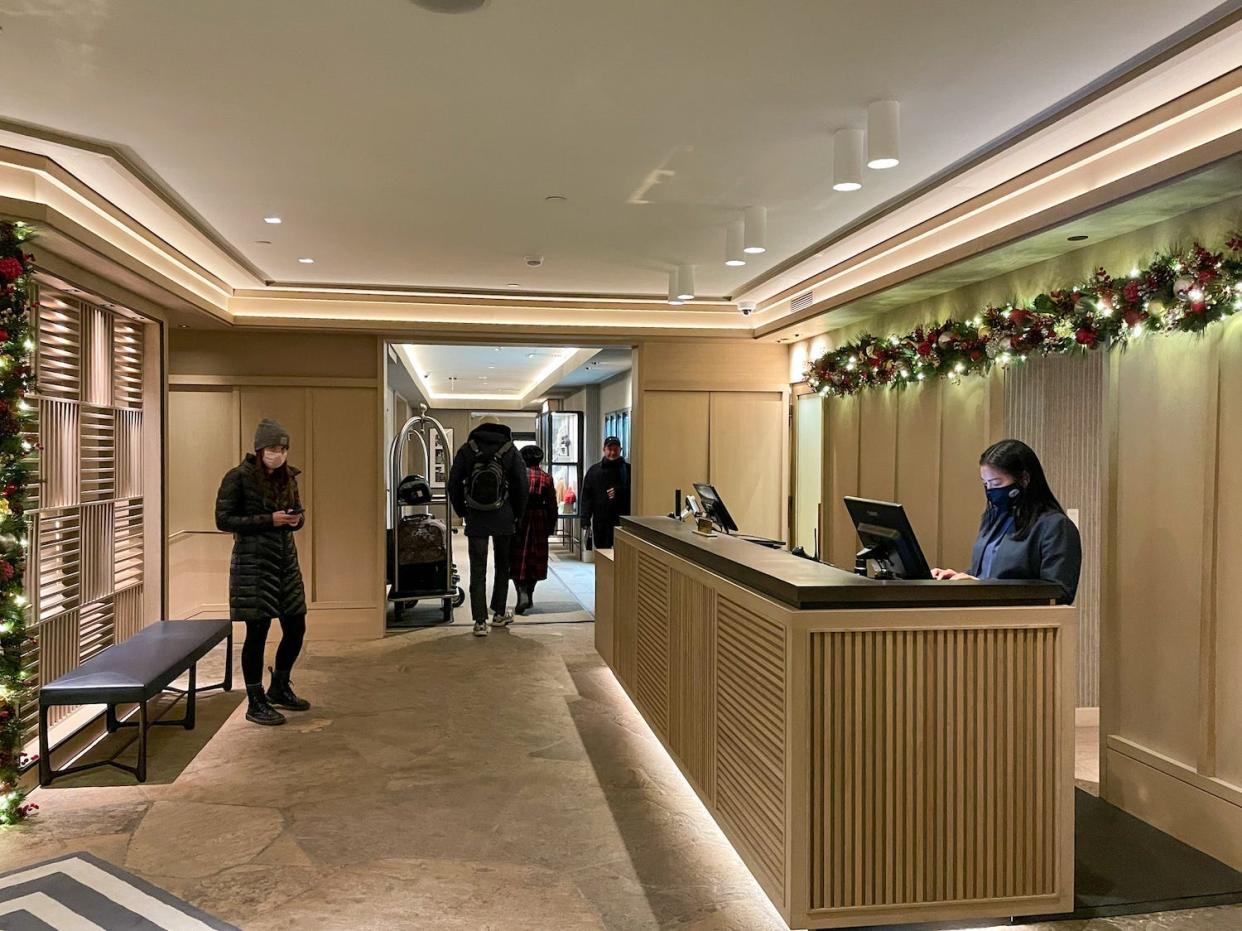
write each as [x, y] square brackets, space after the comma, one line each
[258, 502]
[605, 495]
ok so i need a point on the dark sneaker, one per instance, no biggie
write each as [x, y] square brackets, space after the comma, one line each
[502, 620]
[480, 628]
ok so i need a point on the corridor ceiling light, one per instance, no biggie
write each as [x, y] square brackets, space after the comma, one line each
[306, 261]
[883, 134]
[734, 241]
[672, 288]
[847, 159]
[275, 221]
[685, 283]
[755, 238]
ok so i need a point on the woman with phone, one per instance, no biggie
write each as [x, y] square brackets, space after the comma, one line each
[258, 502]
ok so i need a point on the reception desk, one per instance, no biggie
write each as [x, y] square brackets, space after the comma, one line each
[877, 752]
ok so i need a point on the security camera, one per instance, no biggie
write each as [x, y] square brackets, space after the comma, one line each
[746, 307]
[534, 261]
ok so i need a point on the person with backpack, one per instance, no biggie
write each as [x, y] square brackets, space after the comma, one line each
[488, 488]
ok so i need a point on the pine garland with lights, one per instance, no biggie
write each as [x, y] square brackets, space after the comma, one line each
[1176, 293]
[16, 383]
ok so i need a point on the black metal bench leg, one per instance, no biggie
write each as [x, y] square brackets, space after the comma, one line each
[142, 742]
[228, 663]
[45, 754]
[112, 723]
[189, 698]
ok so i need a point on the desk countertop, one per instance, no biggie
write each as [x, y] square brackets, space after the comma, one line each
[809, 585]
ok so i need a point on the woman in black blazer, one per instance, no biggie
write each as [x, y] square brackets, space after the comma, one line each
[1025, 533]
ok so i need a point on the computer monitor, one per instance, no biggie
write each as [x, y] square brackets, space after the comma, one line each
[715, 508]
[887, 537]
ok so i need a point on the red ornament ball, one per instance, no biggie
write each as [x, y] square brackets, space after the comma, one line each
[1085, 336]
[11, 269]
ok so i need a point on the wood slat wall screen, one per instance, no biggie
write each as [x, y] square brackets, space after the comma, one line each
[750, 735]
[96, 356]
[692, 646]
[651, 671]
[625, 587]
[127, 363]
[59, 468]
[58, 358]
[911, 742]
[87, 552]
[97, 454]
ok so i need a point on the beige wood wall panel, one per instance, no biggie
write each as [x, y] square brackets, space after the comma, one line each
[1227, 648]
[202, 447]
[128, 612]
[750, 736]
[291, 355]
[675, 453]
[746, 435]
[625, 611]
[692, 686]
[56, 653]
[1162, 392]
[738, 365]
[918, 461]
[345, 505]
[1056, 405]
[651, 671]
[841, 479]
[198, 570]
[877, 445]
[965, 434]
[930, 762]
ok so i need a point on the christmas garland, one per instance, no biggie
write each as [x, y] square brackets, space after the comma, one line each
[1175, 293]
[16, 414]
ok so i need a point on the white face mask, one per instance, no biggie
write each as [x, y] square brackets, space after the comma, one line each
[274, 458]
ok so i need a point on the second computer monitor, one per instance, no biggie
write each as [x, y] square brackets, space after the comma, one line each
[715, 507]
[887, 537]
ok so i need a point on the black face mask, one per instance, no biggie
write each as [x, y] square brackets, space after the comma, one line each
[1004, 499]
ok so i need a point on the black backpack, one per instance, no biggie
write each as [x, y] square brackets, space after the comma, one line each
[487, 488]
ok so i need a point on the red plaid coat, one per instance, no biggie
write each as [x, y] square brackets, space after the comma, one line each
[530, 546]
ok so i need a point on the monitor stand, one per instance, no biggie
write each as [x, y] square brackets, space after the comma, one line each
[881, 555]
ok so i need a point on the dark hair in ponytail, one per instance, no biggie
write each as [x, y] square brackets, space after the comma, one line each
[1015, 458]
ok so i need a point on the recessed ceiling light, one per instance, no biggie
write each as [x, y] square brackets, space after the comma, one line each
[883, 132]
[530, 355]
[556, 198]
[275, 221]
[184, 326]
[513, 284]
[450, 6]
[306, 261]
[491, 366]
[1078, 238]
[755, 233]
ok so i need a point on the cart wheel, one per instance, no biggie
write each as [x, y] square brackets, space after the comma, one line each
[446, 611]
[460, 598]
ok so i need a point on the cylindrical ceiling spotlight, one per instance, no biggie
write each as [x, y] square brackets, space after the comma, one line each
[735, 241]
[755, 237]
[672, 288]
[847, 159]
[883, 134]
[685, 283]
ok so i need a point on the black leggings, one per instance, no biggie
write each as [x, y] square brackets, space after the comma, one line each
[292, 633]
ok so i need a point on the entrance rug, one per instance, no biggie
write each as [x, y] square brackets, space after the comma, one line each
[1124, 866]
[81, 891]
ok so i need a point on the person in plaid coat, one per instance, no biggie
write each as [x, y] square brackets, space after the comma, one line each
[530, 546]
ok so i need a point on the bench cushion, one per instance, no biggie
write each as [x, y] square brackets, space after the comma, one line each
[138, 668]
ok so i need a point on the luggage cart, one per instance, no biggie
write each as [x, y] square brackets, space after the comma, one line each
[442, 579]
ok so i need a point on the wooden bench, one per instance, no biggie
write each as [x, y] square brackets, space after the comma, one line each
[134, 672]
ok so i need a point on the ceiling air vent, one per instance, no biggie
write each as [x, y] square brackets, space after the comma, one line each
[802, 301]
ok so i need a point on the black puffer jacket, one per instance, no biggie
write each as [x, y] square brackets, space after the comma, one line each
[503, 521]
[265, 580]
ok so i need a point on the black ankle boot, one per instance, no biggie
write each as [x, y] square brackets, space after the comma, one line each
[260, 710]
[281, 693]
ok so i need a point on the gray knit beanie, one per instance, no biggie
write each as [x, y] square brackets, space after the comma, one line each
[270, 433]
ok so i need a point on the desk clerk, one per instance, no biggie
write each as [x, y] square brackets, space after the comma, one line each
[1025, 533]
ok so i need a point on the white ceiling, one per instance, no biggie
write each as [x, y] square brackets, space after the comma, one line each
[404, 147]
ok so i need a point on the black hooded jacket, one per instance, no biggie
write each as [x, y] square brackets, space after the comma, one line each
[503, 521]
[600, 512]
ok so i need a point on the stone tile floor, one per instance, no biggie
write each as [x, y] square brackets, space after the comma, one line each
[440, 781]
